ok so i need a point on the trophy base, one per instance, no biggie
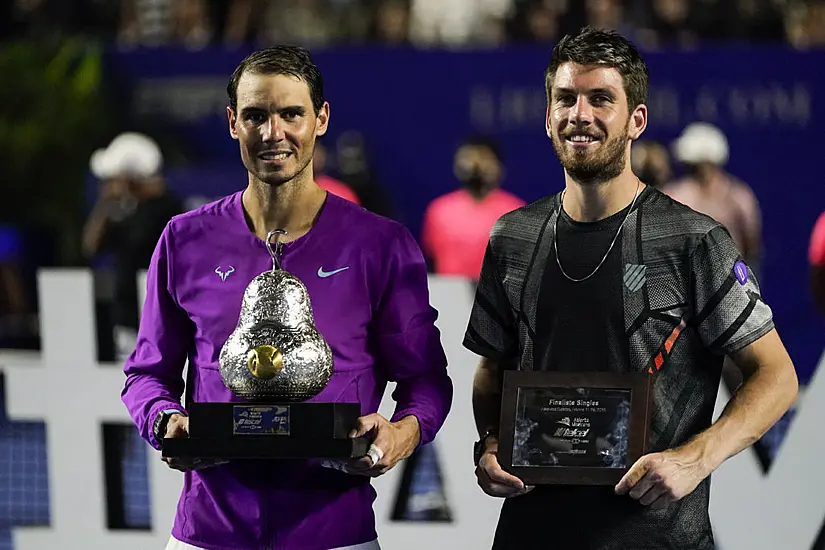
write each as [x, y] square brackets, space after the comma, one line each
[232, 431]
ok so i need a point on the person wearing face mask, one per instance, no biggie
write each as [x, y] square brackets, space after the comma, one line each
[457, 225]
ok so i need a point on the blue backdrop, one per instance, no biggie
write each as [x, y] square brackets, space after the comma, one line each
[413, 107]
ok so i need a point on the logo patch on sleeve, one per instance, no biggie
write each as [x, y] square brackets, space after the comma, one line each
[741, 272]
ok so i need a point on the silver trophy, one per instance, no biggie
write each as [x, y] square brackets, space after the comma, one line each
[274, 362]
[276, 352]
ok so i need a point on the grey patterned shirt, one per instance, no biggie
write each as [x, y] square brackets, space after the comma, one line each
[688, 300]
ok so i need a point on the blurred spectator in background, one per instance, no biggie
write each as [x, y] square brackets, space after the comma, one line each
[18, 320]
[543, 21]
[132, 209]
[424, 23]
[456, 226]
[327, 182]
[165, 22]
[296, 21]
[816, 258]
[390, 24]
[609, 14]
[457, 22]
[352, 166]
[651, 163]
[669, 23]
[310, 22]
[709, 189]
[805, 24]
[757, 21]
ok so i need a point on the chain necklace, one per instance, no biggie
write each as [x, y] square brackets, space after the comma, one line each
[606, 254]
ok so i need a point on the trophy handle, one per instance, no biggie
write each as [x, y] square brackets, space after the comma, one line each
[278, 250]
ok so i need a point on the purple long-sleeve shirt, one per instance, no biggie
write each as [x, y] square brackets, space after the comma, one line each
[367, 282]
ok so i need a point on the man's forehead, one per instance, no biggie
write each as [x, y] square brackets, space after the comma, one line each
[573, 75]
[254, 87]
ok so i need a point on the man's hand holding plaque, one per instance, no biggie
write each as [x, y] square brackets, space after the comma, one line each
[657, 479]
[492, 479]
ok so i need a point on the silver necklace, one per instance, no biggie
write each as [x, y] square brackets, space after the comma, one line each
[606, 254]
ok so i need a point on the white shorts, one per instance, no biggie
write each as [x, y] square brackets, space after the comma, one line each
[175, 544]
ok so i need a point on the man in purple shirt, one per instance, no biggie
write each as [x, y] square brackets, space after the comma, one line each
[368, 284]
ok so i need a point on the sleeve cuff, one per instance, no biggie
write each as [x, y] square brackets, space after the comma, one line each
[163, 406]
[749, 338]
[426, 435]
[485, 351]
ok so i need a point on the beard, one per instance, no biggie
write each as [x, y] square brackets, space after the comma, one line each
[593, 167]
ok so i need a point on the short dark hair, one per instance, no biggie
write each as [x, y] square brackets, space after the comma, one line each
[287, 60]
[485, 141]
[591, 46]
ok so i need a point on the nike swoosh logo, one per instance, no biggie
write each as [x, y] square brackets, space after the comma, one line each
[324, 274]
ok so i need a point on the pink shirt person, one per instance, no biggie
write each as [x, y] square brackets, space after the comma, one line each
[816, 259]
[457, 227]
[338, 188]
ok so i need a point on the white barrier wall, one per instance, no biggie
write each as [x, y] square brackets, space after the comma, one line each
[73, 394]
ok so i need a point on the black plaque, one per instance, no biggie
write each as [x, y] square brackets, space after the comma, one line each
[232, 431]
[568, 428]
